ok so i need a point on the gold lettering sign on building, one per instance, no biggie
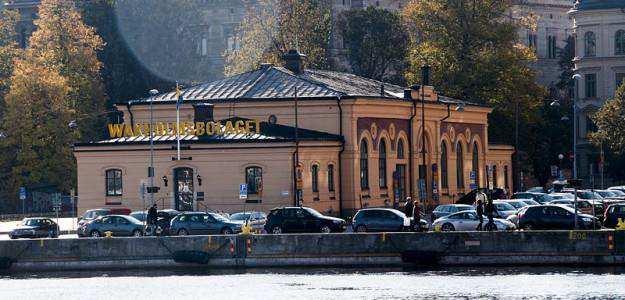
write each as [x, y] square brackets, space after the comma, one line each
[186, 128]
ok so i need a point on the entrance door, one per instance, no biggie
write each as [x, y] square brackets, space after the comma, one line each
[183, 189]
[399, 183]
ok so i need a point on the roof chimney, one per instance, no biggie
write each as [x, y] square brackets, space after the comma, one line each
[294, 61]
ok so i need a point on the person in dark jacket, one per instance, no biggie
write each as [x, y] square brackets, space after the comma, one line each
[479, 208]
[416, 213]
[152, 215]
[408, 207]
[490, 210]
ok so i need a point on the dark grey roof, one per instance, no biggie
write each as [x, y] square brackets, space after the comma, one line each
[21, 3]
[599, 4]
[268, 133]
[271, 82]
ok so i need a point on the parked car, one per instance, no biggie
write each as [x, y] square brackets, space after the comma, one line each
[618, 188]
[518, 203]
[468, 221]
[560, 196]
[612, 214]
[611, 194]
[302, 219]
[93, 214]
[384, 220]
[202, 223]
[256, 219]
[503, 209]
[118, 225]
[554, 217]
[448, 209]
[530, 201]
[583, 206]
[35, 228]
[541, 198]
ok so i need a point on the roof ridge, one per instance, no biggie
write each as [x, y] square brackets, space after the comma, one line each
[308, 80]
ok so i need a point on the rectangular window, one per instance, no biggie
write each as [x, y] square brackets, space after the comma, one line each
[591, 85]
[505, 178]
[254, 180]
[331, 178]
[315, 178]
[114, 182]
[551, 47]
[532, 39]
[620, 78]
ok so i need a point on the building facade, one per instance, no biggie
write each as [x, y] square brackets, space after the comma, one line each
[599, 29]
[358, 144]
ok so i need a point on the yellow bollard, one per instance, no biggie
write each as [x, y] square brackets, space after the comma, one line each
[246, 229]
[620, 225]
[437, 228]
[108, 234]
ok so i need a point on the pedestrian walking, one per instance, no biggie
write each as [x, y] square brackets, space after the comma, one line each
[416, 213]
[490, 210]
[479, 208]
[152, 215]
[408, 207]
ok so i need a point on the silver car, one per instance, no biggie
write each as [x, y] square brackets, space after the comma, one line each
[256, 219]
[117, 225]
[468, 221]
[503, 209]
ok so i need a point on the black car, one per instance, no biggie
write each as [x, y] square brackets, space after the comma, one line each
[383, 220]
[554, 217]
[35, 228]
[302, 219]
[612, 214]
[541, 198]
[201, 223]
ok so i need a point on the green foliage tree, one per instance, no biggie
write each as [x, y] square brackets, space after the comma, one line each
[376, 42]
[610, 121]
[475, 55]
[272, 27]
[37, 137]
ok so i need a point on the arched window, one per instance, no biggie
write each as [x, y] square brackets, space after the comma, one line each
[254, 179]
[495, 178]
[476, 164]
[459, 166]
[400, 149]
[364, 165]
[619, 42]
[114, 182]
[590, 42]
[331, 178]
[314, 170]
[382, 163]
[444, 171]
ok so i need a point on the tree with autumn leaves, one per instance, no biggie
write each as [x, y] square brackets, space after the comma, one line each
[56, 81]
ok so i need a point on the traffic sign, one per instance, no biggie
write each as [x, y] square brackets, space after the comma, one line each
[22, 193]
[243, 191]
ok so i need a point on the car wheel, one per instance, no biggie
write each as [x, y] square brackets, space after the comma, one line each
[528, 226]
[137, 233]
[226, 231]
[276, 230]
[183, 232]
[50, 234]
[325, 229]
[13, 237]
[448, 227]
[361, 228]
[95, 234]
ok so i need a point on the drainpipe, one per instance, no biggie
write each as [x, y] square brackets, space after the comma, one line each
[132, 117]
[338, 103]
[408, 95]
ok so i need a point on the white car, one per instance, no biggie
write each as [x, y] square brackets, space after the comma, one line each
[468, 221]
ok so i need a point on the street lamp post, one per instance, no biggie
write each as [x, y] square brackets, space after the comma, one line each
[576, 78]
[153, 92]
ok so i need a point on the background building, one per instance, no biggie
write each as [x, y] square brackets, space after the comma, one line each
[599, 29]
[361, 146]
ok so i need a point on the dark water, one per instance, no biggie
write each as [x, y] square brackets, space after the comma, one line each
[456, 283]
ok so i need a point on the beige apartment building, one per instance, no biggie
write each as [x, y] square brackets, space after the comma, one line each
[357, 144]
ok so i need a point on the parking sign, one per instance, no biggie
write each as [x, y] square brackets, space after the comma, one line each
[22, 193]
[243, 191]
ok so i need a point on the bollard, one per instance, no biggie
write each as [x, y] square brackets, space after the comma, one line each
[108, 234]
[620, 225]
[248, 243]
[246, 229]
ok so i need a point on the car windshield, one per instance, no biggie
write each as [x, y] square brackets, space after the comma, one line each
[589, 195]
[503, 206]
[463, 208]
[240, 216]
[32, 222]
[313, 212]
[618, 193]
[517, 204]
[531, 202]
[219, 217]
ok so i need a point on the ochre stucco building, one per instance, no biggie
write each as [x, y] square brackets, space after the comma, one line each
[358, 145]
